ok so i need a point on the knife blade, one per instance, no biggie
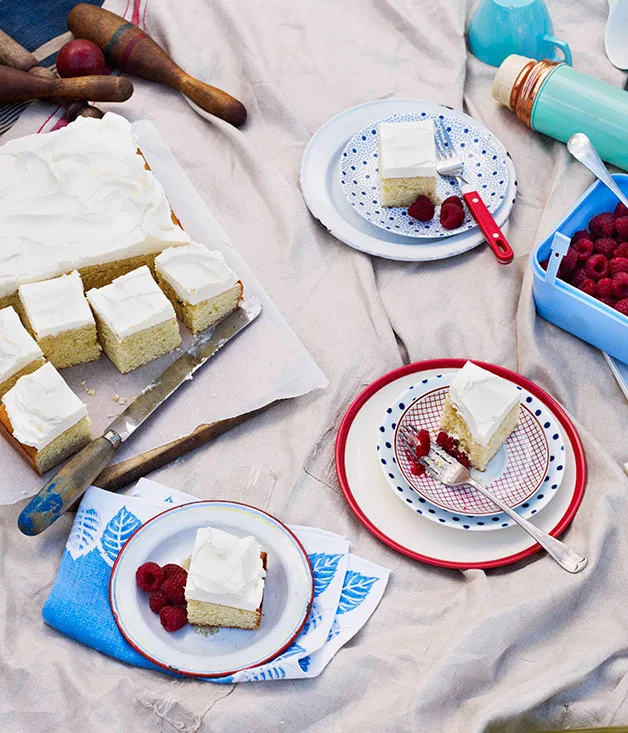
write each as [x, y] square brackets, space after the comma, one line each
[68, 484]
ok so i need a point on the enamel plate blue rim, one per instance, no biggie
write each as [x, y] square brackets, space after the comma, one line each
[422, 506]
[485, 168]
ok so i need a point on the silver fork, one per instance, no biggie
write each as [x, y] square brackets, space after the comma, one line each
[446, 469]
[450, 165]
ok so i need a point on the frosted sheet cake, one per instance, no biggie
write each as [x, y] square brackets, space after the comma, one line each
[79, 198]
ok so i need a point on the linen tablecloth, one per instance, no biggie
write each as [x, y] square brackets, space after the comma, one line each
[446, 650]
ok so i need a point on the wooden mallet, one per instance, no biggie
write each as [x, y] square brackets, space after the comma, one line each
[133, 51]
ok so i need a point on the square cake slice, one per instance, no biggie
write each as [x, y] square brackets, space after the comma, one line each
[199, 283]
[136, 322]
[19, 354]
[59, 317]
[480, 412]
[43, 419]
[226, 578]
[407, 162]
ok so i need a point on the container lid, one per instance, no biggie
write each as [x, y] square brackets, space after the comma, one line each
[506, 77]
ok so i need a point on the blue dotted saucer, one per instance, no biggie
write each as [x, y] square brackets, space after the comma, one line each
[485, 168]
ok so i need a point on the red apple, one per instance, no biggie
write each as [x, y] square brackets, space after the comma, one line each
[80, 58]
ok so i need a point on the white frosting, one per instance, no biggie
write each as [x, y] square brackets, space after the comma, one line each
[406, 149]
[483, 399]
[53, 306]
[226, 569]
[195, 272]
[75, 197]
[131, 303]
[41, 406]
[17, 346]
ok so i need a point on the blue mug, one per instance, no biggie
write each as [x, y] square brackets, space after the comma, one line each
[500, 28]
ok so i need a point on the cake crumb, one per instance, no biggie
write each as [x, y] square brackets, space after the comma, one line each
[119, 400]
[90, 392]
[84, 382]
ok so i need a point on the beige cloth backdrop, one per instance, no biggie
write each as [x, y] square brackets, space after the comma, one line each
[445, 651]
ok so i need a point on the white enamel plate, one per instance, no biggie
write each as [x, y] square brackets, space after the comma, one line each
[169, 537]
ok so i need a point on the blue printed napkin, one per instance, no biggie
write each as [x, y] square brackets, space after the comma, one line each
[347, 588]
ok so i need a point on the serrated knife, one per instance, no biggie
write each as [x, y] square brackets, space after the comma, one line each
[68, 484]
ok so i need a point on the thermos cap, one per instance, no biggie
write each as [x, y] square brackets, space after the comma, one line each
[506, 76]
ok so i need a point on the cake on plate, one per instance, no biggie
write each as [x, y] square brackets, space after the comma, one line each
[59, 317]
[407, 162]
[79, 198]
[43, 419]
[136, 322]
[480, 412]
[199, 283]
[226, 579]
[19, 354]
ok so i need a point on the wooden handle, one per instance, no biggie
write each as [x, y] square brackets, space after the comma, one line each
[20, 86]
[12, 54]
[494, 236]
[134, 51]
[65, 487]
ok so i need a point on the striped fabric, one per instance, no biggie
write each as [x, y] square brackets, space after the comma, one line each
[40, 26]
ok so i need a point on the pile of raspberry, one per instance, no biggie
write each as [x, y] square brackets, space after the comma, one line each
[166, 586]
[423, 443]
[597, 259]
[451, 211]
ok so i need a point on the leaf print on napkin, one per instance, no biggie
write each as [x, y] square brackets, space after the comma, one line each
[84, 533]
[118, 530]
[355, 588]
[323, 568]
[313, 620]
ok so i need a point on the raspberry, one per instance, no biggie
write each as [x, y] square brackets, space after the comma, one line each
[451, 216]
[461, 457]
[620, 210]
[603, 224]
[423, 443]
[622, 250]
[584, 248]
[543, 264]
[621, 228]
[454, 200]
[582, 234]
[596, 267]
[620, 285]
[446, 442]
[608, 301]
[173, 618]
[589, 287]
[416, 468]
[149, 576]
[171, 569]
[622, 306]
[158, 599]
[578, 277]
[174, 588]
[618, 264]
[422, 209]
[605, 288]
[568, 263]
[605, 246]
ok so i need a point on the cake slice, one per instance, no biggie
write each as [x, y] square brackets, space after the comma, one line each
[43, 419]
[407, 162]
[226, 578]
[59, 317]
[136, 322]
[19, 354]
[480, 412]
[200, 285]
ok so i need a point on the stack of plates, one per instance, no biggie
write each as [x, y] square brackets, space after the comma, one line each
[340, 182]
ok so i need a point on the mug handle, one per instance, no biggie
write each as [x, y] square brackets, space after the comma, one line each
[564, 47]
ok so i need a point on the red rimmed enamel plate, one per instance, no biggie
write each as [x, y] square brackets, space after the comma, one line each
[369, 496]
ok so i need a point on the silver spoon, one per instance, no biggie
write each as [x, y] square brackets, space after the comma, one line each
[582, 150]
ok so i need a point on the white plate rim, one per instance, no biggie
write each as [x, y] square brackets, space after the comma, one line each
[191, 506]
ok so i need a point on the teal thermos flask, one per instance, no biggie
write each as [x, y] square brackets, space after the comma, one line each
[555, 99]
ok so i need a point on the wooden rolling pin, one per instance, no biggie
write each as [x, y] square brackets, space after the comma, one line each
[20, 86]
[130, 49]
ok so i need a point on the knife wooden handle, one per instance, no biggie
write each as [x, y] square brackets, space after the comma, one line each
[66, 486]
[20, 86]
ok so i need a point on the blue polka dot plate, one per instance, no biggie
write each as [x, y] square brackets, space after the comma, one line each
[485, 168]
[525, 473]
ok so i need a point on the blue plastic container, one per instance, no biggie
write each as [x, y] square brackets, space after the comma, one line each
[568, 307]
